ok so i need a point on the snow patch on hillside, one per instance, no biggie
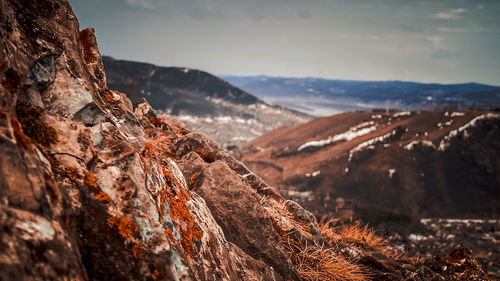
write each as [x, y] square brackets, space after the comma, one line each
[352, 133]
[445, 142]
[370, 143]
[313, 174]
[456, 114]
[426, 143]
[401, 113]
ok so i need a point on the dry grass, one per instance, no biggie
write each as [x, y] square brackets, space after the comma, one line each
[316, 262]
[352, 234]
[357, 236]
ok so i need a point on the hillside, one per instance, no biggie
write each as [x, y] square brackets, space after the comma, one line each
[417, 164]
[318, 96]
[200, 100]
[395, 171]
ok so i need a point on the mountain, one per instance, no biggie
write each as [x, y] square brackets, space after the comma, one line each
[93, 187]
[396, 164]
[428, 179]
[318, 96]
[204, 102]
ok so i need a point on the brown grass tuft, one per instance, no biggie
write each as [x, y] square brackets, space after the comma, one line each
[353, 234]
[316, 262]
[360, 237]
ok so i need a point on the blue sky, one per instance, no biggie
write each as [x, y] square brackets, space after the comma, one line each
[417, 40]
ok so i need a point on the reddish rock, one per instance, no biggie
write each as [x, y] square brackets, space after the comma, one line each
[93, 188]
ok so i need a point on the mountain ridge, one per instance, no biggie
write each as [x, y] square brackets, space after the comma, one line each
[203, 102]
[318, 96]
[354, 80]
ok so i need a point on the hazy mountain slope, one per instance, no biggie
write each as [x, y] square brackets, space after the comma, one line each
[175, 89]
[323, 97]
[420, 163]
[202, 101]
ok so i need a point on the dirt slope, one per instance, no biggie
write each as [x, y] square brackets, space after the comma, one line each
[420, 163]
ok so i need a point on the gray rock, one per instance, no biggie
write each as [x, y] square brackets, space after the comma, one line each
[43, 71]
[90, 115]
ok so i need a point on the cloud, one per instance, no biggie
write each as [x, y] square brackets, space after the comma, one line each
[435, 40]
[409, 28]
[304, 15]
[474, 29]
[143, 4]
[443, 54]
[451, 14]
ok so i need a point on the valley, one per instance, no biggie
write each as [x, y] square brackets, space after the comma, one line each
[320, 97]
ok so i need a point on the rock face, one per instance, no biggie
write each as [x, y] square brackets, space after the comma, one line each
[95, 188]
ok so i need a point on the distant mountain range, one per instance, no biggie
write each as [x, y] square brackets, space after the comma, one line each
[202, 101]
[318, 96]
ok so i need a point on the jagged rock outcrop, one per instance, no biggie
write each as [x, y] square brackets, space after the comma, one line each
[86, 193]
[95, 188]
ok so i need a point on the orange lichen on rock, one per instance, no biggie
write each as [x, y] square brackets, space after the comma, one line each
[90, 179]
[170, 236]
[71, 173]
[166, 173]
[149, 149]
[108, 97]
[103, 197]
[136, 252]
[156, 275]
[207, 157]
[143, 159]
[86, 39]
[126, 227]
[189, 229]
[193, 179]
[156, 121]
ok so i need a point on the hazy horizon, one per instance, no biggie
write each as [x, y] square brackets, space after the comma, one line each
[445, 42]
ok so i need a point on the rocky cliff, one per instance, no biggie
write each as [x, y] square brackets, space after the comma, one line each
[95, 188]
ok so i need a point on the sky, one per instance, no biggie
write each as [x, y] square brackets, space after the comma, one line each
[444, 41]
